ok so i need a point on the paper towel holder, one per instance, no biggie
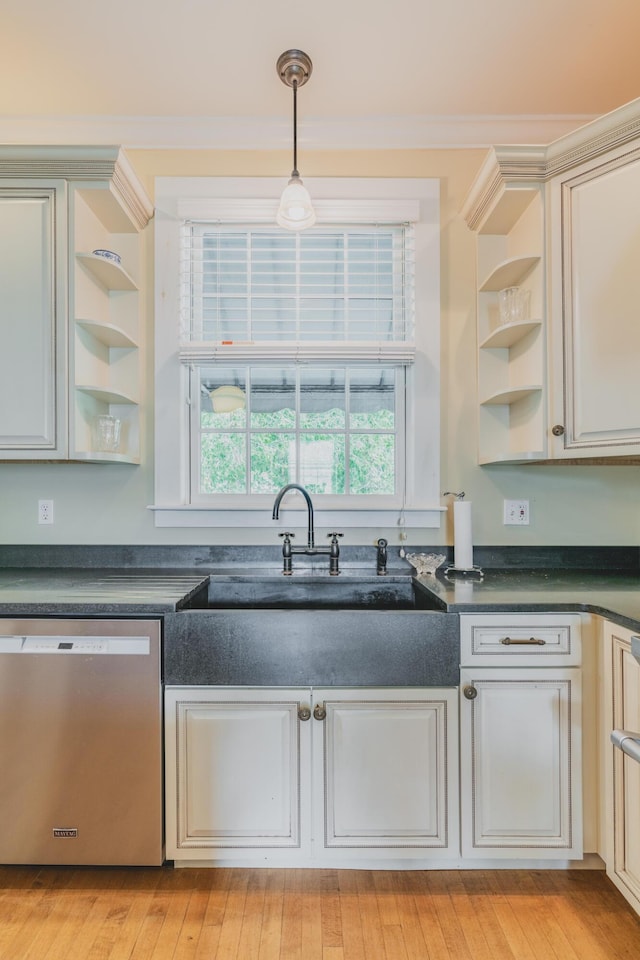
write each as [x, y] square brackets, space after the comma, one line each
[452, 572]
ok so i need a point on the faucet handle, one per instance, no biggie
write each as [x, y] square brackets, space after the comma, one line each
[286, 534]
[334, 535]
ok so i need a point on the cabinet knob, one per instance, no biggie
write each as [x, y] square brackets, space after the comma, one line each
[470, 692]
[304, 713]
[558, 430]
[319, 711]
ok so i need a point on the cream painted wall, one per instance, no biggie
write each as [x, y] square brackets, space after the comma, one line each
[97, 503]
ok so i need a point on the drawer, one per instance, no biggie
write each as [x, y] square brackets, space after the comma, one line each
[520, 638]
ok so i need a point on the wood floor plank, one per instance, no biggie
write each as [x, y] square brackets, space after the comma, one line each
[417, 884]
[137, 891]
[414, 941]
[249, 942]
[238, 882]
[440, 885]
[509, 921]
[520, 892]
[586, 904]
[218, 886]
[292, 946]
[37, 935]
[191, 930]
[272, 914]
[481, 904]
[352, 921]
[386, 897]
[331, 910]
[312, 887]
[271, 928]
[370, 916]
[175, 902]
[394, 944]
[472, 932]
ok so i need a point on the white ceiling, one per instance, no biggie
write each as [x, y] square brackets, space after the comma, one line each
[202, 72]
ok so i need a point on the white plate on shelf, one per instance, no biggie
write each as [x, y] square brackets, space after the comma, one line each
[107, 255]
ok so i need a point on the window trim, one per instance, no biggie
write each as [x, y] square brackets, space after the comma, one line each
[250, 197]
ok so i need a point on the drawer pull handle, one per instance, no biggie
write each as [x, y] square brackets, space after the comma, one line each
[523, 641]
[304, 713]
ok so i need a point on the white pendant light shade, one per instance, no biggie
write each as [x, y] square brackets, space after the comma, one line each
[296, 210]
[227, 398]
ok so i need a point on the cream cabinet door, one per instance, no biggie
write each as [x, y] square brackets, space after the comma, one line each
[32, 320]
[385, 781]
[236, 772]
[520, 763]
[623, 773]
[595, 329]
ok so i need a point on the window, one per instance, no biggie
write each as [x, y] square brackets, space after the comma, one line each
[330, 428]
[331, 291]
[291, 357]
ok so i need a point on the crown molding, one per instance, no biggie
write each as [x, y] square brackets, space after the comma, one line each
[91, 163]
[251, 133]
[517, 166]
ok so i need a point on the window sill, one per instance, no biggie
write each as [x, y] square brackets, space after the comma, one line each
[192, 516]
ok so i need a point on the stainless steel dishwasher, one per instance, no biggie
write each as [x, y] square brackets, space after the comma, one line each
[80, 742]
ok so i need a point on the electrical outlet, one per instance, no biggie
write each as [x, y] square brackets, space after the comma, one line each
[45, 511]
[516, 512]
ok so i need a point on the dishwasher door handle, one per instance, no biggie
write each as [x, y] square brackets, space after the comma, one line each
[628, 742]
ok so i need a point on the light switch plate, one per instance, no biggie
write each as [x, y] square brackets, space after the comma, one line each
[516, 512]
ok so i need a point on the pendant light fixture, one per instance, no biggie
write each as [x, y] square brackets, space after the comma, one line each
[296, 211]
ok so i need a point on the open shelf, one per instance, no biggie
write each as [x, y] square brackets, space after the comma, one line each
[509, 334]
[100, 457]
[108, 333]
[104, 395]
[111, 275]
[511, 395]
[509, 273]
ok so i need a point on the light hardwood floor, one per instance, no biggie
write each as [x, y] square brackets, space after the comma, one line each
[201, 914]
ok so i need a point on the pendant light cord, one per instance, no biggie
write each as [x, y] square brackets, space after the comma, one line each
[294, 172]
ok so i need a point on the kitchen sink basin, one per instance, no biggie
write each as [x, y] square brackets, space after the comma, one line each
[316, 592]
[265, 629]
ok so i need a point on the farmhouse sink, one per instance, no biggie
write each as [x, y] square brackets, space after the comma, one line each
[264, 629]
[313, 592]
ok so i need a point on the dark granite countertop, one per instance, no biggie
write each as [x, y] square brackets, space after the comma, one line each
[137, 591]
[614, 595]
[95, 592]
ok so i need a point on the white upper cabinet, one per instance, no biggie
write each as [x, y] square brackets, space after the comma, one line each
[70, 318]
[595, 254]
[562, 224]
[32, 309]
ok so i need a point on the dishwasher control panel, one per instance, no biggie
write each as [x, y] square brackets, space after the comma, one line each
[60, 644]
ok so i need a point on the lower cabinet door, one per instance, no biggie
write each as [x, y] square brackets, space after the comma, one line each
[623, 864]
[236, 771]
[521, 763]
[297, 776]
[385, 773]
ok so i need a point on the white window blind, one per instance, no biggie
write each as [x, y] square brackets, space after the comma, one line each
[252, 286]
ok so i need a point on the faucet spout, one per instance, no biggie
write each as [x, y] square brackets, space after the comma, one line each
[276, 509]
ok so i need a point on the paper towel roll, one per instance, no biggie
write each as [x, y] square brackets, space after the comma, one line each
[462, 540]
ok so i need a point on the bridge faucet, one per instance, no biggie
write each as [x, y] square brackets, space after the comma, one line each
[276, 510]
[288, 550]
